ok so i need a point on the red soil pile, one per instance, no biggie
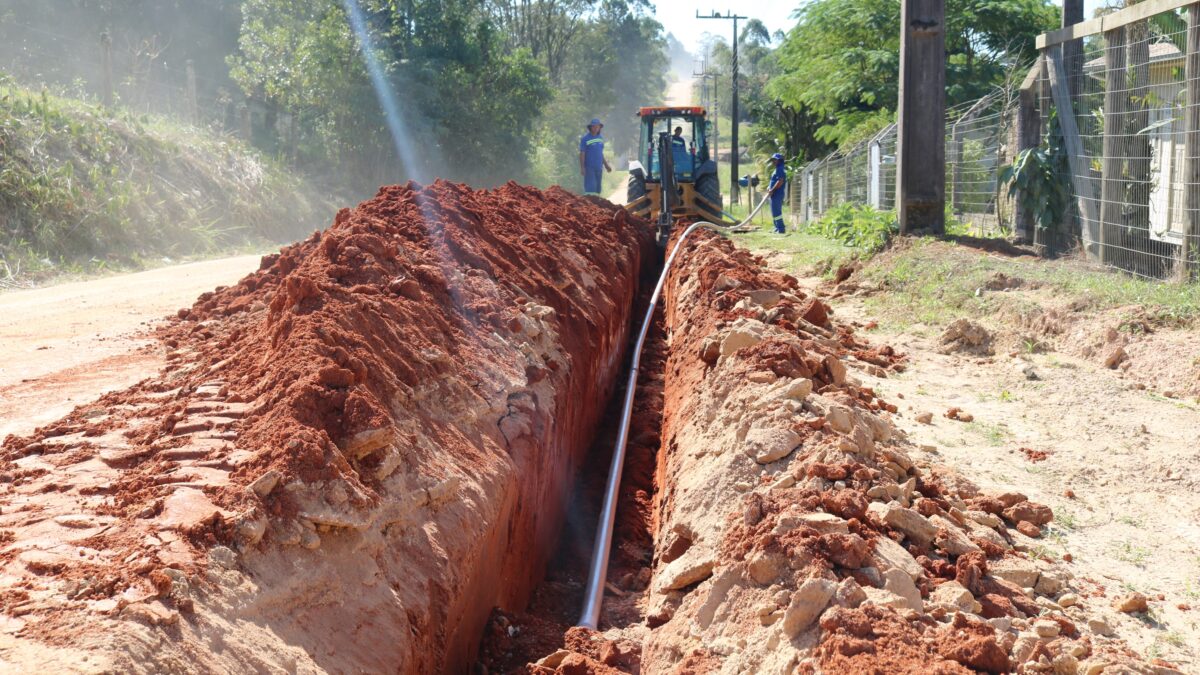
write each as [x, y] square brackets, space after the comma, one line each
[440, 335]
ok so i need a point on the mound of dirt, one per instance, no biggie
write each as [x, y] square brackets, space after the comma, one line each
[963, 335]
[353, 455]
[798, 531]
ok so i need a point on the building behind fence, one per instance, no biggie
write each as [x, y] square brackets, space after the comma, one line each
[1132, 144]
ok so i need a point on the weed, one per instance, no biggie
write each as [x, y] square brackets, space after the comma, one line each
[858, 226]
[994, 433]
[1066, 520]
[86, 189]
[1132, 553]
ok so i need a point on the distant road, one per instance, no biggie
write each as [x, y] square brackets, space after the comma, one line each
[64, 345]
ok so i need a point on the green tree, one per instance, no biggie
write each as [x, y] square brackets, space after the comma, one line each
[840, 63]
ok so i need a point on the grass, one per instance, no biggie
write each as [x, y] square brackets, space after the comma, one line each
[995, 434]
[807, 253]
[1131, 553]
[87, 189]
[932, 283]
[1066, 520]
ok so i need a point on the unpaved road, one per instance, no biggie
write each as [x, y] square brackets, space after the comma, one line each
[68, 344]
[678, 93]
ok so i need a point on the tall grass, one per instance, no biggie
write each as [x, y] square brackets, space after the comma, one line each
[85, 186]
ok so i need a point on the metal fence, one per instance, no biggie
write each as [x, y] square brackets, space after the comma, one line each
[977, 147]
[1130, 81]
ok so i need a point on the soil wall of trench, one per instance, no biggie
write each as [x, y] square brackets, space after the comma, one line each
[795, 529]
[353, 456]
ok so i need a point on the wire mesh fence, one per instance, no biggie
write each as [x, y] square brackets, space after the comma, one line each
[1132, 177]
[977, 147]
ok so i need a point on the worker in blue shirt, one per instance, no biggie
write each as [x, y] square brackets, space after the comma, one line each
[591, 158]
[778, 181]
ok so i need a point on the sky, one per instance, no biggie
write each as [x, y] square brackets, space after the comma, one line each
[679, 16]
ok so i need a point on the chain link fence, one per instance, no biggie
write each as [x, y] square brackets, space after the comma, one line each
[1133, 178]
[977, 148]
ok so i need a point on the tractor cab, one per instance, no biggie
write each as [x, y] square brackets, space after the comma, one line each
[674, 169]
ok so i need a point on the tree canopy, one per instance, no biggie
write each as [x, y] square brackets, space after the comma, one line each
[838, 68]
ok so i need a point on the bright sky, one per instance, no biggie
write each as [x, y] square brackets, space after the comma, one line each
[679, 16]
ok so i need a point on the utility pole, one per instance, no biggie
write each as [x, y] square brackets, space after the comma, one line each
[733, 153]
[921, 121]
[708, 99]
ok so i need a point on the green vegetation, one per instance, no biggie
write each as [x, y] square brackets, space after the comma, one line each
[806, 254]
[89, 188]
[861, 227]
[934, 282]
[837, 69]
[1037, 177]
[487, 90]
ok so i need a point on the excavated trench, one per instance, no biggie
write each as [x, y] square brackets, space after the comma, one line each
[515, 638]
[359, 452]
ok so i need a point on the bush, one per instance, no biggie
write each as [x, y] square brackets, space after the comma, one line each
[859, 226]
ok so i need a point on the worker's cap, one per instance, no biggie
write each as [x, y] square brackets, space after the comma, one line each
[595, 122]
[777, 156]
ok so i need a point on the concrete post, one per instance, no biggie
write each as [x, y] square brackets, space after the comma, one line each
[875, 173]
[921, 138]
[1112, 190]
[106, 86]
[193, 107]
[1189, 251]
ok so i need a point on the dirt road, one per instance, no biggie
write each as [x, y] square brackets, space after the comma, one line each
[67, 344]
[678, 93]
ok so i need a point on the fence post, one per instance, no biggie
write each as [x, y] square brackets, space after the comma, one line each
[1189, 248]
[1027, 128]
[192, 104]
[846, 171]
[956, 151]
[1112, 190]
[875, 173]
[1076, 155]
[1072, 50]
[921, 115]
[106, 86]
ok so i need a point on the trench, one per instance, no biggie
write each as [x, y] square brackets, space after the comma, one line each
[513, 639]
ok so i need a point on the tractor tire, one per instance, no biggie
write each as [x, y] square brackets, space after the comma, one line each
[709, 187]
[635, 188]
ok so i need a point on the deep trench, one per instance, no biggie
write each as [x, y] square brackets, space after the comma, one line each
[513, 639]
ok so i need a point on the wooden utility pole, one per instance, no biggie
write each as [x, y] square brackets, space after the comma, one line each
[921, 138]
[1189, 249]
[733, 122]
